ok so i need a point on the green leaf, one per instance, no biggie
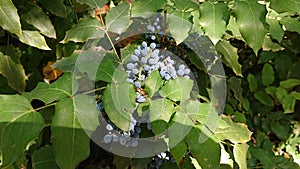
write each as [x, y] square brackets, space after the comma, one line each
[263, 98]
[177, 89]
[14, 73]
[9, 18]
[35, 39]
[56, 7]
[291, 24]
[213, 19]
[119, 100]
[288, 103]
[267, 74]
[275, 29]
[118, 19]
[93, 3]
[235, 132]
[253, 85]
[161, 112]
[86, 28]
[36, 17]
[73, 122]
[269, 45]
[179, 26]
[234, 84]
[296, 95]
[139, 8]
[230, 56]
[61, 88]
[43, 158]
[152, 83]
[285, 6]
[240, 154]
[207, 153]
[290, 83]
[19, 124]
[185, 6]
[178, 151]
[251, 19]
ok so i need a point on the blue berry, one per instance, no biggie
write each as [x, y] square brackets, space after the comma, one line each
[137, 84]
[130, 66]
[109, 127]
[107, 138]
[134, 58]
[152, 45]
[144, 44]
[135, 71]
[144, 60]
[153, 37]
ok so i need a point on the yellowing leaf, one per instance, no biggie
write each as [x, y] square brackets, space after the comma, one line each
[9, 18]
[35, 39]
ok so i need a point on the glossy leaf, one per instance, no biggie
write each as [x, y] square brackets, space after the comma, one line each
[93, 3]
[14, 73]
[139, 8]
[291, 24]
[251, 19]
[275, 29]
[240, 154]
[35, 39]
[230, 57]
[179, 26]
[36, 17]
[253, 85]
[153, 83]
[85, 29]
[73, 122]
[269, 45]
[207, 153]
[285, 6]
[177, 89]
[19, 124]
[118, 19]
[267, 74]
[264, 98]
[9, 18]
[213, 19]
[56, 7]
[43, 158]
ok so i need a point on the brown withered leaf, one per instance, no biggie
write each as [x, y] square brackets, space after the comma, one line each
[50, 73]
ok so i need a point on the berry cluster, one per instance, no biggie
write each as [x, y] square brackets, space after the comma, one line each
[155, 27]
[158, 160]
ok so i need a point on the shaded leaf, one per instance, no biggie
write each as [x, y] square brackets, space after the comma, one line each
[35, 39]
[285, 6]
[253, 85]
[251, 19]
[43, 158]
[56, 7]
[177, 89]
[267, 74]
[86, 28]
[14, 73]
[9, 18]
[263, 98]
[230, 57]
[213, 19]
[240, 154]
[270, 45]
[36, 17]
[289, 83]
[19, 124]
[178, 151]
[153, 82]
[93, 3]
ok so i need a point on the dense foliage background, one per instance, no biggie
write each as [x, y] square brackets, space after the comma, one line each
[258, 42]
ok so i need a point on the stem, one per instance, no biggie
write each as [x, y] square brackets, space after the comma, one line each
[48, 105]
[98, 89]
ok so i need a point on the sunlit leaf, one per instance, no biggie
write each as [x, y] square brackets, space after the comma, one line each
[289, 83]
[153, 83]
[275, 29]
[240, 154]
[291, 24]
[19, 124]
[285, 6]
[251, 19]
[9, 18]
[35, 39]
[179, 26]
[139, 8]
[36, 17]
[213, 19]
[14, 73]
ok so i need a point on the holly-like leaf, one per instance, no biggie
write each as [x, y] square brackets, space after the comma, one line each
[118, 19]
[269, 45]
[230, 57]
[235, 132]
[93, 3]
[36, 17]
[14, 73]
[291, 24]
[275, 29]
[139, 8]
[251, 19]
[56, 7]
[87, 28]
[240, 154]
[19, 124]
[213, 19]
[267, 74]
[153, 83]
[35, 39]
[179, 26]
[161, 111]
[43, 158]
[285, 6]
[177, 89]
[207, 153]
[73, 122]
[9, 18]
